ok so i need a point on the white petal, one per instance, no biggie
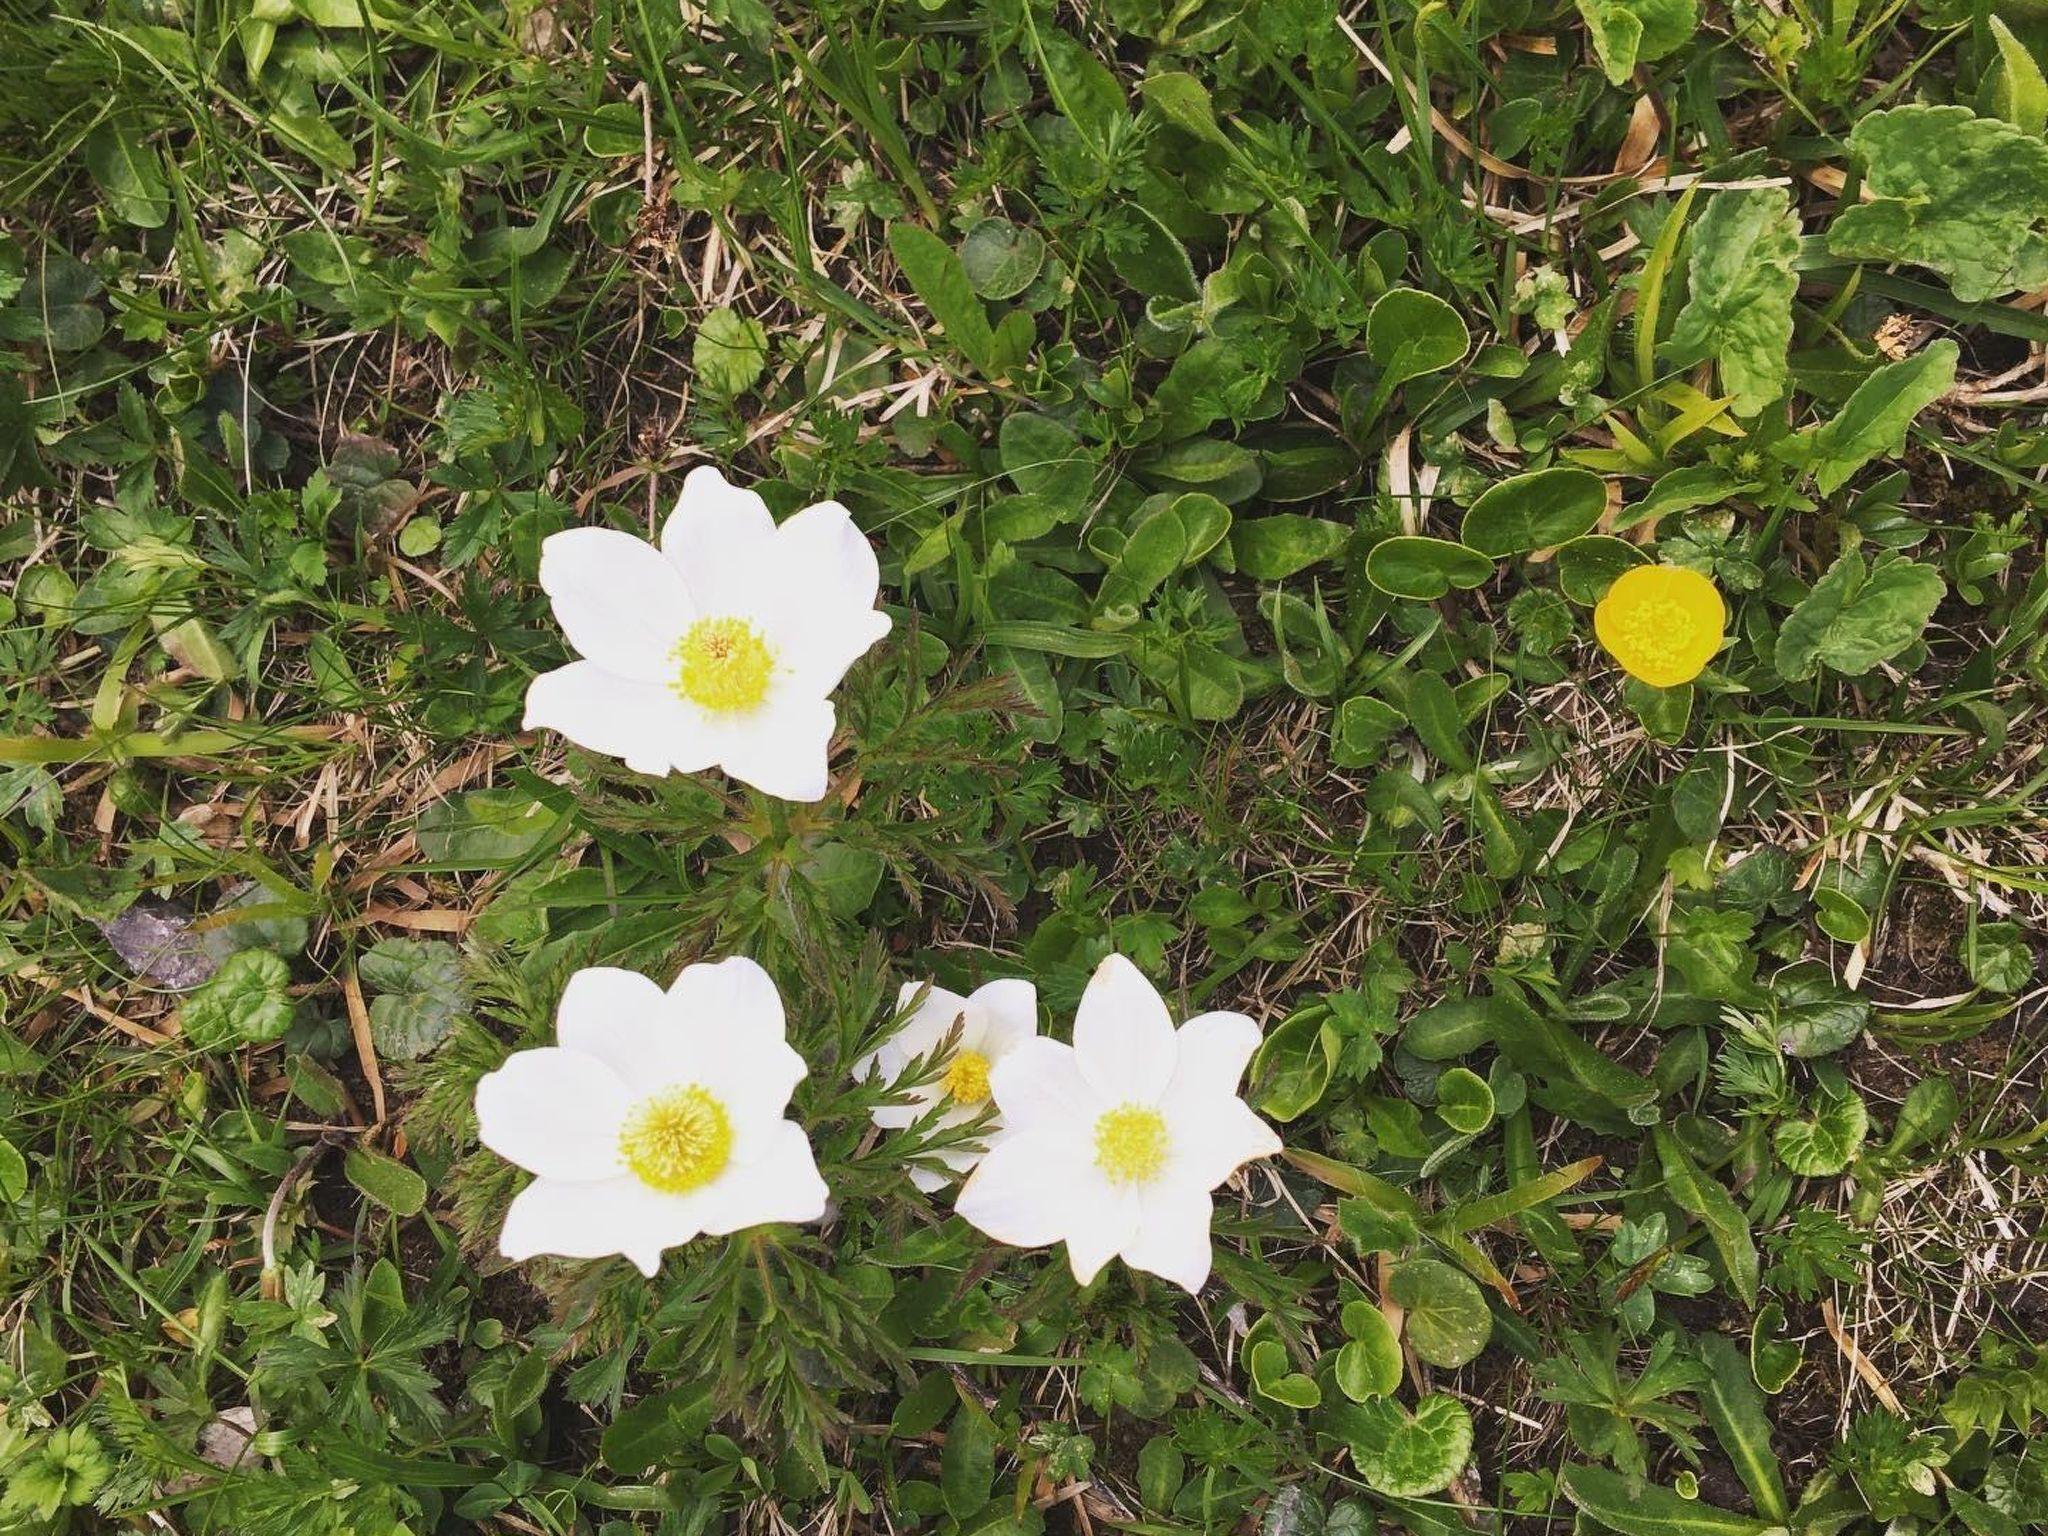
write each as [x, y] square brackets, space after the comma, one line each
[623, 1019]
[728, 1020]
[1123, 1035]
[594, 1220]
[822, 603]
[721, 539]
[780, 1184]
[1038, 1086]
[1213, 1136]
[1102, 1220]
[1007, 1013]
[643, 724]
[1173, 1235]
[928, 1181]
[1021, 1191]
[782, 748]
[554, 1112]
[934, 1018]
[620, 603]
[1213, 1051]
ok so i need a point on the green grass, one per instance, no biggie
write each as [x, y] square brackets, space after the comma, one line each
[1660, 1069]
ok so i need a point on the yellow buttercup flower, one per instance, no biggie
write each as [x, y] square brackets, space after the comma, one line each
[1663, 623]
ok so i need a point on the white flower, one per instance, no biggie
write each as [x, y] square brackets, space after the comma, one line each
[994, 1021]
[720, 648]
[1113, 1144]
[657, 1118]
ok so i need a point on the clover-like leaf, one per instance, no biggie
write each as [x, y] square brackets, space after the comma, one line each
[245, 1001]
[1823, 1144]
[1739, 288]
[1408, 1455]
[1448, 1323]
[421, 992]
[1962, 194]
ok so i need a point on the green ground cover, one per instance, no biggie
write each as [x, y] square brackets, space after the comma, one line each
[1250, 405]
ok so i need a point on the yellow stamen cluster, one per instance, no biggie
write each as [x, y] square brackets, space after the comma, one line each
[1663, 623]
[723, 665]
[966, 1079]
[1131, 1143]
[677, 1141]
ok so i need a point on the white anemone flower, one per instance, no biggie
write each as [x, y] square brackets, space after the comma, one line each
[656, 1119]
[1113, 1144]
[994, 1020]
[721, 647]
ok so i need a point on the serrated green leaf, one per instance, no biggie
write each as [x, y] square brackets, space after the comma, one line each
[1961, 194]
[1857, 616]
[1823, 1144]
[420, 992]
[730, 353]
[1407, 1455]
[1448, 1322]
[248, 1000]
[1740, 283]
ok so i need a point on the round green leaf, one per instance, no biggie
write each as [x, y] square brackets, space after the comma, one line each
[245, 1001]
[1410, 333]
[1293, 1065]
[1001, 258]
[1586, 567]
[1463, 1101]
[1539, 510]
[1823, 1145]
[1423, 569]
[1369, 1364]
[1448, 1323]
[1409, 1455]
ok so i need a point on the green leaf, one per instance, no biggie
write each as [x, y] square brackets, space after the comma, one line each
[1824, 1144]
[386, 1181]
[1997, 957]
[13, 1172]
[1001, 259]
[1407, 1455]
[1423, 569]
[1873, 420]
[729, 354]
[967, 1466]
[1539, 510]
[941, 281]
[1266, 1360]
[1293, 1064]
[1184, 101]
[1773, 1359]
[1588, 566]
[1740, 283]
[1455, 1027]
[247, 1000]
[1637, 1508]
[130, 174]
[1369, 1364]
[1961, 194]
[1626, 33]
[1715, 1209]
[1448, 1322]
[1735, 1412]
[1274, 548]
[2019, 92]
[653, 1429]
[1044, 459]
[1857, 616]
[1463, 1101]
[1362, 728]
[1410, 333]
[421, 991]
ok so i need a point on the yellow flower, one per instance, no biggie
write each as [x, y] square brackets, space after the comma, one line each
[1663, 623]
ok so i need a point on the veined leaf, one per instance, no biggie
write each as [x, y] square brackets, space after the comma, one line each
[1631, 32]
[1858, 616]
[1735, 1412]
[941, 281]
[1715, 1209]
[1874, 419]
[1738, 307]
[1645, 1509]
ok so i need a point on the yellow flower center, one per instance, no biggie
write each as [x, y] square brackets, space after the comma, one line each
[966, 1080]
[1663, 623]
[1130, 1143]
[677, 1141]
[723, 665]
